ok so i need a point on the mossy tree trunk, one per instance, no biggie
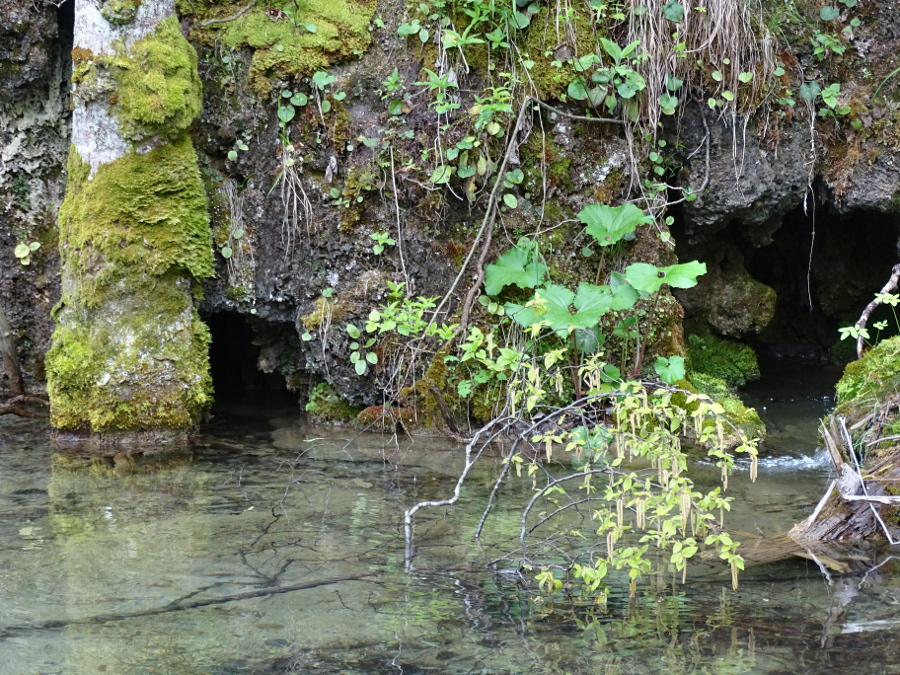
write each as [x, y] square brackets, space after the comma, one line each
[129, 352]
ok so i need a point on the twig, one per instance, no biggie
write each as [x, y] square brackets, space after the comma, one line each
[399, 229]
[238, 15]
[890, 286]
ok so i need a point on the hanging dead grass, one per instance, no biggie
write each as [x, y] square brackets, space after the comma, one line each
[720, 49]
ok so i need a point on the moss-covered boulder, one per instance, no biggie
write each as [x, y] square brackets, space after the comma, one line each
[873, 377]
[726, 360]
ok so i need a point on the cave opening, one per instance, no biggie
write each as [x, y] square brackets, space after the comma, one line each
[805, 274]
[241, 387]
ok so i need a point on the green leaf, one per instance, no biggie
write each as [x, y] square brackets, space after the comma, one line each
[624, 294]
[353, 331]
[671, 369]
[22, 251]
[684, 275]
[286, 113]
[466, 171]
[588, 340]
[673, 11]
[673, 83]
[326, 106]
[745, 77]
[809, 90]
[226, 252]
[311, 27]
[396, 106]
[668, 103]
[299, 99]
[360, 367]
[232, 155]
[510, 200]
[644, 277]
[717, 75]
[610, 224]
[829, 13]
[372, 358]
[577, 89]
[442, 174]
[520, 265]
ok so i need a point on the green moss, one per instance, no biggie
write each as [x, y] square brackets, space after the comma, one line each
[87, 361]
[733, 362]
[746, 419]
[873, 377]
[284, 48]
[120, 12]
[143, 212]
[156, 83]
[129, 352]
[326, 405]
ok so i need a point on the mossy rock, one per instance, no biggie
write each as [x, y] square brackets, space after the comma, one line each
[746, 419]
[326, 406]
[872, 378]
[284, 46]
[726, 360]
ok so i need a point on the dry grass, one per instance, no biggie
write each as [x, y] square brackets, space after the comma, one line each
[727, 36]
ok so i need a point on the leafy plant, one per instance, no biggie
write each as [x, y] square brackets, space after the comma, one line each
[382, 239]
[24, 250]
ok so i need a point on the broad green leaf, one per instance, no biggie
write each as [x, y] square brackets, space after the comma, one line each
[829, 13]
[673, 11]
[285, 113]
[809, 90]
[623, 294]
[361, 367]
[591, 303]
[671, 369]
[510, 200]
[577, 89]
[520, 265]
[684, 275]
[442, 174]
[644, 277]
[609, 224]
[650, 278]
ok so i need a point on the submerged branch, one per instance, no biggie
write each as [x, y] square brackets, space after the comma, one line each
[176, 606]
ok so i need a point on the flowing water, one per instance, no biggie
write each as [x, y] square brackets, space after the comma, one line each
[275, 548]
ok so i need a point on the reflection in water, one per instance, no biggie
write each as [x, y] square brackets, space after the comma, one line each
[213, 561]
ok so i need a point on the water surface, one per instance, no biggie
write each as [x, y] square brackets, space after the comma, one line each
[97, 556]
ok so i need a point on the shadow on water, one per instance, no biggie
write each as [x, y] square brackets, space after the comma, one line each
[227, 557]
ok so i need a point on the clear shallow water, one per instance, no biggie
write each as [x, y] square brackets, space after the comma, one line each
[109, 548]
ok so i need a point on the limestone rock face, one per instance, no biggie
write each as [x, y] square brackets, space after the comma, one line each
[34, 141]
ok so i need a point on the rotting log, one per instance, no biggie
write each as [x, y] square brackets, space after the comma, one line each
[861, 503]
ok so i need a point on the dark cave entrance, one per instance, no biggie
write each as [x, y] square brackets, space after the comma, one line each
[235, 358]
[824, 266]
